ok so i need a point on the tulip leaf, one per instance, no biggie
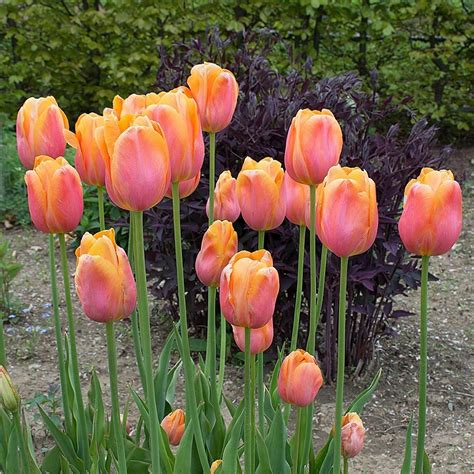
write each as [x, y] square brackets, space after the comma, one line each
[317, 461]
[184, 454]
[98, 420]
[141, 407]
[12, 463]
[268, 406]
[52, 461]
[406, 466]
[426, 464]
[264, 464]
[326, 466]
[358, 404]
[230, 405]
[235, 420]
[276, 440]
[161, 376]
[230, 462]
[172, 380]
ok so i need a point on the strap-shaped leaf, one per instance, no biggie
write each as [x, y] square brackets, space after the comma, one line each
[406, 466]
[276, 441]
[230, 462]
[426, 464]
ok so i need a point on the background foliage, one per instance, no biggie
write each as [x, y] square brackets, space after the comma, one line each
[84, 52]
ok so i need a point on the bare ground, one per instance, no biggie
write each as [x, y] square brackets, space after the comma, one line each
[32, 356]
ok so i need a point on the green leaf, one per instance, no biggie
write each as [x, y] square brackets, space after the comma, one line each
[358, 404]
[277, 440]
[426, 464]
[12, 463]
[52, 461]
[406, 466]
[184, 453]
[264, 464]
[230, 461]
[161, 376]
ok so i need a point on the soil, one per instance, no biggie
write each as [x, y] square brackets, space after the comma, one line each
[450, 438]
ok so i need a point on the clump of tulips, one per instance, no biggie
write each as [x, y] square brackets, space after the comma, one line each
[148, 147]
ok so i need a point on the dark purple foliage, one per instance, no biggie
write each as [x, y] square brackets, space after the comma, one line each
[268, 101]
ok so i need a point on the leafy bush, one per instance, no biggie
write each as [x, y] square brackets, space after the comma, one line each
[268, 101]
[86, 52]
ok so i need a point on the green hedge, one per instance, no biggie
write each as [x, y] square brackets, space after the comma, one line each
[84, 52]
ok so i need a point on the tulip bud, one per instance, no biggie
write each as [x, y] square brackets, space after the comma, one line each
[297, 200]
[177, 114]
[226, 204]
[261, 194]
[40, 128]
[352, 435]
[174, 424]
[260, 339]
[104, 278]
[215, 90]
[54, 195]
[8, 394]
[431, 220]
[346, 211]
[215, 465]
[313, 145]
[299, 379]
[248, 289]
[219, 244]
[185, 188]
[90, 163]
[137, 171]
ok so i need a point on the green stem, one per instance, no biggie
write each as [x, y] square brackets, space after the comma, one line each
[191, 405]
[299, 290]
[83, 440]
[312, 268]
[212, 174]
[21, 441]
[261, 239]
[248, 409]
[346, 465]
[423, 375]
[222, 354]
[252, 410]
[3, 356]
[261, 394]
[100, 199]
[144, 316]
[116, 424]
[322, 281]
[59, 337]
[341, 349]
[211, 335]
[295, 468]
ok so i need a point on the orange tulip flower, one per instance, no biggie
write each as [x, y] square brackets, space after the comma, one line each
[104, 278]
[432, 213]
[40, 128]
[248, 289]
[219, 245]
[174, 424]
[352, 435]
[299, 379]
[90, 163]
[134, 104]
[185, 188]
[346, 211]
[226, 204]
[54, 195]
[177, 114]
[261, 194]
[297, 200]
[260, 339]
[215, 90]
[313, 145]
[137, 172]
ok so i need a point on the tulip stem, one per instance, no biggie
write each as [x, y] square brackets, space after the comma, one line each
[341, 350]
[100, 200]
[145, 332]
[301, 413]
[299, 290]
[261, 239]
[211, 335]
[222, 354]
[322, 281]
[346, 465]
[212, 174]
[76, 382]
[191, 404]
[260, 390]
[312, 267]
[423, 371]
[3, 356]
[248, 415]
[252, 409]
[59, 337]
[116, 424]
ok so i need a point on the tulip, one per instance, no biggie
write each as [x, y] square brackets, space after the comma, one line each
[353, 434]
[137, 172]
[297, 200]
[104, 278]
[347, 216]
[219, 244]
[186, 188]
[8, 395]
[226, 204]
[313, 145]
[431, 220]
[215, 90]
[54, 195]
[134, 104]
[89, 161]
[178, 117]
[174, 425]
[215, 465]
[260, 339]
[299, 379]
[261, 193]
[40, 128]
[248, 289]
